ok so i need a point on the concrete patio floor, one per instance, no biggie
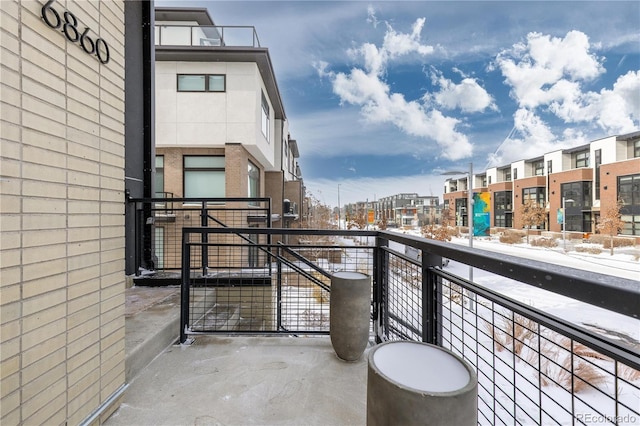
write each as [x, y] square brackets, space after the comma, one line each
[247, 380]
[230, 380]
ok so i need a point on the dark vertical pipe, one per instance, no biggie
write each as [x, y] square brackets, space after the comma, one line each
[148, 82]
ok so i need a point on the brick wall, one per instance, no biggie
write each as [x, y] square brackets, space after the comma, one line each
[62, 188]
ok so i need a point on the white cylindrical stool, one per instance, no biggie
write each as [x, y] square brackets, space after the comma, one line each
[414, 383]
[349, 314]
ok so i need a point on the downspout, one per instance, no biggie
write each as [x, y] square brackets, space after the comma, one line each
[148, 57]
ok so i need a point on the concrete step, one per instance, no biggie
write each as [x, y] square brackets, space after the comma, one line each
[218, 318]
[152, 323]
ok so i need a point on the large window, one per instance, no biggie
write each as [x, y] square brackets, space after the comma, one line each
[253, 190]
[265, 118]
[536, 194]
[502, 201]
[578, 192]
[629, 190]
[201, 83]
[577, 197]
[204, 176]
[159, 177]
[582, 159]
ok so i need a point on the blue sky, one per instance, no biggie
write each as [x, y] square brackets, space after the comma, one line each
[383, 97]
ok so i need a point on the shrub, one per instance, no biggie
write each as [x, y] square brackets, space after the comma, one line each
[512, 237]
[544, 242]
[590, 250]
[619, 242]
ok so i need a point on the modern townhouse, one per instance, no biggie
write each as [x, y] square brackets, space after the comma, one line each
[221, 128]
[581, 180]
[407, 209]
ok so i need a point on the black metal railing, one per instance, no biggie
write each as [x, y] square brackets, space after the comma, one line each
[159, 223]
[533, 367]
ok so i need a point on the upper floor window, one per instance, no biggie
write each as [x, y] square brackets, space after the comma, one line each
[549, 167]
[507, 175]
[265, 117]
[538, 168]
[636, 148]
[582, 159]
[577, 194]
[201, 83]
[536, 195]
[515, 174]
[629, 190]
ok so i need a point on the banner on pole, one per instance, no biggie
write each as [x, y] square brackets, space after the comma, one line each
[481, 214]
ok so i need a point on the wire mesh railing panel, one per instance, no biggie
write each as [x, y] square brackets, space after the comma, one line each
[403, 298]
[530, 373]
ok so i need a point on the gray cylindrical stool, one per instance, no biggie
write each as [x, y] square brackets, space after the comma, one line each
[349, 313]
[413, 383]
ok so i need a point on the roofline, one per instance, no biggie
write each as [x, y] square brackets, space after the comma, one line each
[178, 14]
[259, 55]
[628, 136]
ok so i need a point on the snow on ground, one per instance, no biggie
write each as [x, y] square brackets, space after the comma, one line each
[624, 263]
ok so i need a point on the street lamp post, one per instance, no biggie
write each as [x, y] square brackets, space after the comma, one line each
[564, 223]
[339, 215]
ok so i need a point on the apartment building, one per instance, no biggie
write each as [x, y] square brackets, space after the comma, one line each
[62, 186]
[582, 180]
[221, 127]
[407, 209]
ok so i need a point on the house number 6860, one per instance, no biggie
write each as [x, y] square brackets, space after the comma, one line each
[69, 24]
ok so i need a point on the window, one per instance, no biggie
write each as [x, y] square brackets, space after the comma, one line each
[538, 168]
[253, 190]
[636, 149]
[265, 117]
[489, 180]
[507, 175]
[582, 159]
[631, 224]
[515, 174]
[629, 190]
[579, 193]
[598, 155]
[159, 177]
[201, 83]
[536, 194]
[549, 167]
[204, 176]
[502, 201]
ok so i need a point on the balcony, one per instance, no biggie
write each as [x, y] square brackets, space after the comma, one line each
[206, 36]
[257, 351]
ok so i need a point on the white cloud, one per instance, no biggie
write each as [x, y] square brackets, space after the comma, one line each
[548, 76]
[365, 87]
[468, 95]
[532, 69]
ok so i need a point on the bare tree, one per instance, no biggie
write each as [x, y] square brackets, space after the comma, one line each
[446, 216]
[610, 222]
[532, 215]
[358, 221]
